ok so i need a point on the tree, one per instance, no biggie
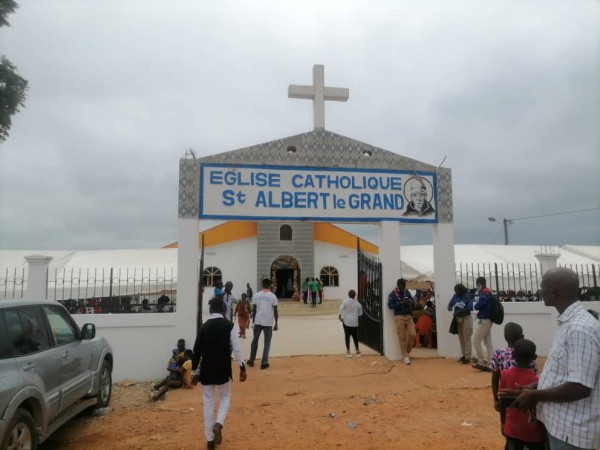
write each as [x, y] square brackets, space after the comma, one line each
[13, 87]
[6, 7]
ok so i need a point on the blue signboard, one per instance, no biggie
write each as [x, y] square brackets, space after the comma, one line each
[260, 192]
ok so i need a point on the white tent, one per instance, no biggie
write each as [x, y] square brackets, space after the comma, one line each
[158, 267]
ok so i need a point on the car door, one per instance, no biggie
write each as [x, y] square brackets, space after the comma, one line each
[10, 378]
[75, 355]
[38, 363]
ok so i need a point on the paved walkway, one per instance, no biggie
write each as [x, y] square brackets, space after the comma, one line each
[316, 335]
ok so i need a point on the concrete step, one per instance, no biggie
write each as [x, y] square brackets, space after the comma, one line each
[290, 308]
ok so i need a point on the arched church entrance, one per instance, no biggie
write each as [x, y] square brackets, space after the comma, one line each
[285, 277]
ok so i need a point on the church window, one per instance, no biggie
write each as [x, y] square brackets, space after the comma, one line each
[211, 275]
[329, 276]
[285, 233]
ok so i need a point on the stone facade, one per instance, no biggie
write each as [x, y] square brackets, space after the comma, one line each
[270, 247]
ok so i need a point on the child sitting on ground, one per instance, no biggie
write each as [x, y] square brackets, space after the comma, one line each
[179, 377]
[177, 353]
[521, 428]
[186, 367]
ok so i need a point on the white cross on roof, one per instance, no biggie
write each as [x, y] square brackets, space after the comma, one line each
[318, 93]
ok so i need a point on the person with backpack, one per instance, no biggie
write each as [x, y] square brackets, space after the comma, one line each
[483, 332]
[401, 302]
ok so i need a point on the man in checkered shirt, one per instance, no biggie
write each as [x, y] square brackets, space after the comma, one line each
[568, 392]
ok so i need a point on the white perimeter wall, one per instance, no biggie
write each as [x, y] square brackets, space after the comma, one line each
[142, 343]
[344, 260]
[538, 322]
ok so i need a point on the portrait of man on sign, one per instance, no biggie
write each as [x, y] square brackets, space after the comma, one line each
[418, 192]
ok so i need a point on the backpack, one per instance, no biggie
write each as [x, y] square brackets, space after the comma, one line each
[496, 311]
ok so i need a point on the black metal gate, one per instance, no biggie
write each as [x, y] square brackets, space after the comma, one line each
[370, 295]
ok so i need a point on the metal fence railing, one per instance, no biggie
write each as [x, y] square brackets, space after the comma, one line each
[521, 282]
[120, 290]
[103, 291]
[12, 283]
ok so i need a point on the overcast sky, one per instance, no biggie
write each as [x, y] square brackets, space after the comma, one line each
[506, 91]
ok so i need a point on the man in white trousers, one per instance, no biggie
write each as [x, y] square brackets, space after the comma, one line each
[214, 341]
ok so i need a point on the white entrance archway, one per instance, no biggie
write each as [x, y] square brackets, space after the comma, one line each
[321, 176]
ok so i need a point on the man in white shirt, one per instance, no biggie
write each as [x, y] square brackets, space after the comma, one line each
[264, 311]
[350, 310]
[568, 391]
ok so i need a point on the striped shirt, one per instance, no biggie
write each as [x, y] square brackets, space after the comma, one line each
[574, 357]
[503, 360]
[229, 300]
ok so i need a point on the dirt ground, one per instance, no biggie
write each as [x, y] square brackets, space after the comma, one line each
[308, 402]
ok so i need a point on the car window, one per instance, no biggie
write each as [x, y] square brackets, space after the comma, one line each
[26, 330]
[62, 328]
[5, 350]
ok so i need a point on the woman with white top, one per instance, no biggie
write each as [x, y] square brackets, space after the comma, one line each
[350, 310]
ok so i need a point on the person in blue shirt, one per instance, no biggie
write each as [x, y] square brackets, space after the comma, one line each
[462, 305]
[484, 326]
[218, 292]
[401, 301]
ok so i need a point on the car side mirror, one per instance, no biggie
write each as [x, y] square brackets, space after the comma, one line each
[88, 331]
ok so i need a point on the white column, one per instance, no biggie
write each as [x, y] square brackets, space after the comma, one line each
[444, 269]
[187, 280]
[37, 277]
[389, 247]
[547, 261]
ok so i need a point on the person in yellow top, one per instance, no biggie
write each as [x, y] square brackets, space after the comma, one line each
[186, 368]
[180, 377]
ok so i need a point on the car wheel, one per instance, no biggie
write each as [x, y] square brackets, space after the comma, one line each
[21, 434]
[105, 388]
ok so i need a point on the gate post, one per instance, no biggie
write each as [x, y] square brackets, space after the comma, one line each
[389, 237]
[187, 280]
[444, 270]
[37, 282]
[547, 258]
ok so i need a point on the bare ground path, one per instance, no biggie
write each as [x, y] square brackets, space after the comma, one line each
[309, 402]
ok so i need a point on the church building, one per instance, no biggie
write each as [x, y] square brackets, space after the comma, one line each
[286, 252]
[280, 199]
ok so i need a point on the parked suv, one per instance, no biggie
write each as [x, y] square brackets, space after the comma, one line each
[50, 371]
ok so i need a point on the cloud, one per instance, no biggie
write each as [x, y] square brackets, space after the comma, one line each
[507, 91]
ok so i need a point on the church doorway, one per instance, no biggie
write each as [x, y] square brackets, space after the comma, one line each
[285, 277]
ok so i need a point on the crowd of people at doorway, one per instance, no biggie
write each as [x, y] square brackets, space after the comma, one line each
[411, 314]
[560, 410]
[312, 291]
